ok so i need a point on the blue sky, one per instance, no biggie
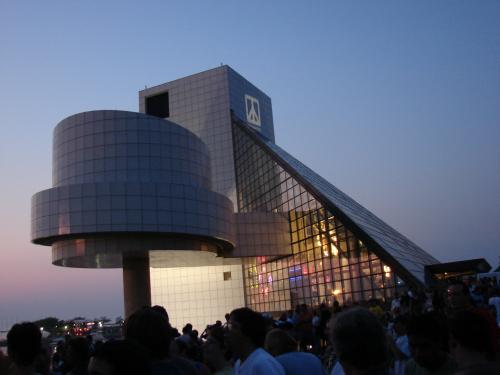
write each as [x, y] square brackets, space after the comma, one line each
[396, 103]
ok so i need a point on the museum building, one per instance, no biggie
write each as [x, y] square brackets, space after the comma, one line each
[205, 213]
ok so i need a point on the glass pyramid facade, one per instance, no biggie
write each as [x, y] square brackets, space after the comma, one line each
[339, 250]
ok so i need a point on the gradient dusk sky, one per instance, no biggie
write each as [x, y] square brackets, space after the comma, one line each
[397, 103]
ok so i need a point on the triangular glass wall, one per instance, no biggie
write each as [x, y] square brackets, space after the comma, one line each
[339, 250]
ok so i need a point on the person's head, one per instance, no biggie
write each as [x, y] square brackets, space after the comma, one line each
[247, 330]
[359, 341]
[194, 334]
[279, 342]
[162, 311]
[469, 333]
[24, 343]
[214, 349]
[121, 357]
[151, 329]
[458, 296]
[187, 329]
[78, 351]
[427, 336]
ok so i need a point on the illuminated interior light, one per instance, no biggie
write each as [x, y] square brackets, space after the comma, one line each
[304, 270]
[334, 249]
[336, 292]
[318, 241]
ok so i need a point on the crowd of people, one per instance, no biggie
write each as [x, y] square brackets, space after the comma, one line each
[454, 331]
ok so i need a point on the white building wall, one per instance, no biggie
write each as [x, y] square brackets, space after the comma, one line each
[197, 295]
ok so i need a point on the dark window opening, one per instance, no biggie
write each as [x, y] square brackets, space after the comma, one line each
[158, 105]
[227, 276]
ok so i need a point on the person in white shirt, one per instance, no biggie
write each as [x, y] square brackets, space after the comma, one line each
[245, 338]
[401, 347]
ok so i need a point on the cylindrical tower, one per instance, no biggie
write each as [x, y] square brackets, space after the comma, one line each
[125, 183]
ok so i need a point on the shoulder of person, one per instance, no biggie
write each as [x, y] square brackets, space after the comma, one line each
[267, 365]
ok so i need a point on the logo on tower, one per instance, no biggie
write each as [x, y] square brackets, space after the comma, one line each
[253, 110]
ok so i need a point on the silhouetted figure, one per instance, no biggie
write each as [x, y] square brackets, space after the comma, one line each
[458, 297]
[189, 353]
[494, 302]
[77, 356]
[325, 315]
[162, 311]
[428, 337]
[400, 346]
[470, 345]
[152, 330]
[283, 347]
[359, 341]
[245, 338]
[121, 357]
[5, 363]
[226, 317]
[214, 352]
[459, 300]
[58, 359]
[186, 334]
[24, 343]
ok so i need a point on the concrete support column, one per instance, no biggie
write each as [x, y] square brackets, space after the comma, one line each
[136, 284]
